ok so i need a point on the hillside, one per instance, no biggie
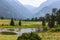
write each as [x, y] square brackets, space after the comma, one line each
[47, 8]
[13, 8]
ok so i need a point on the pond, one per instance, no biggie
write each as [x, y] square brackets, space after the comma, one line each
[21, 30]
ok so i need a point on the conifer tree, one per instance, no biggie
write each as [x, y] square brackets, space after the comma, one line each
[19, 22]
[12, 22]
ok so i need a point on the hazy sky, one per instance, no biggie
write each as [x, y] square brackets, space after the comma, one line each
[34, 3]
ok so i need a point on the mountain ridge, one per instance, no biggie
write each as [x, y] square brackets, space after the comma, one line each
[47, 9]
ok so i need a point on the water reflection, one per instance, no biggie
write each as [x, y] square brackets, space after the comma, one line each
[20, 30]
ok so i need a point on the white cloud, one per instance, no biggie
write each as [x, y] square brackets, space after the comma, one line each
[34, 3]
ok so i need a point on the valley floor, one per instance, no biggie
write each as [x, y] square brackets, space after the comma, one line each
[5, 23]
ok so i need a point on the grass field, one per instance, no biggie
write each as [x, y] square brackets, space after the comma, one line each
[7, 22]
[8, 37]
[25, 24]
[50, 35]
[44, 36]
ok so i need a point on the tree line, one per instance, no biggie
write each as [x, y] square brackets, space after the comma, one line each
[53, 19]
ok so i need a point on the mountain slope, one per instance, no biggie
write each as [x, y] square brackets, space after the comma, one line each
[13, 8]
[48, 8]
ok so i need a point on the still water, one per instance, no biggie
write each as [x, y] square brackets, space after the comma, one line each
[21, 30]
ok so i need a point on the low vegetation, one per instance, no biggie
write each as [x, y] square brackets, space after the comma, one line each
[29, 36]
[43, 35]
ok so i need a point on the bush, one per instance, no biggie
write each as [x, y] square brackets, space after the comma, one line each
[2, 25]
[29, 36]
[8, 33]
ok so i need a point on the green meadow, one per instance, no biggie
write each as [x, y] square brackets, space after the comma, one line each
[44, 36]
[5, 23]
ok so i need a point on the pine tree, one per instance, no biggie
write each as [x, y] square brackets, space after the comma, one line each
[51, 23]
[43, 22]
[12, 22]
[19, 22]
[47, 17]
[58, 17]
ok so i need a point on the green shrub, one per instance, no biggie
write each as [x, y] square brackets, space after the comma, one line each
[29, 36]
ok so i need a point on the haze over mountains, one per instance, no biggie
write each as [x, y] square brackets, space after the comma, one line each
[47, 7]
[13, 8]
